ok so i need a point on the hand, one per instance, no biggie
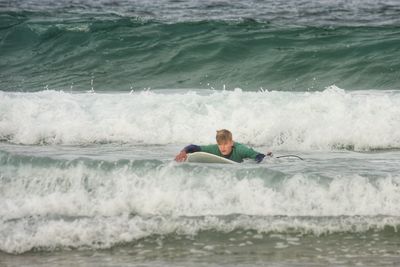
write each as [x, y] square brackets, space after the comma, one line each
[269, 154]
[182, 156]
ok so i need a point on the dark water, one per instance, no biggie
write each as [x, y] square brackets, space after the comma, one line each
[124, 45]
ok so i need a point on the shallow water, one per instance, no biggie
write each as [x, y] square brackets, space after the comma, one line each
[132, 205]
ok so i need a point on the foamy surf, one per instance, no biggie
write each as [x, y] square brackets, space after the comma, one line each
[51, 202]
[327, 120]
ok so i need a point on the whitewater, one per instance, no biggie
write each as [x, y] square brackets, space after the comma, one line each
[89, 172]
[325, 120]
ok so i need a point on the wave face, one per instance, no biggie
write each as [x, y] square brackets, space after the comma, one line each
[105, 46]
[328, 120]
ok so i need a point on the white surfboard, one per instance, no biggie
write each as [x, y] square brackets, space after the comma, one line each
[203, 157]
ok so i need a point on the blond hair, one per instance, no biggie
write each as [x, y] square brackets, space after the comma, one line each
[223, 136]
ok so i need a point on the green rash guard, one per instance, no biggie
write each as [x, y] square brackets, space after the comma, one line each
[239, 152]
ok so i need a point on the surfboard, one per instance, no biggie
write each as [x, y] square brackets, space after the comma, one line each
[203, 157]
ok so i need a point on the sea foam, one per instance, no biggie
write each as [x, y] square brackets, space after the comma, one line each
[331, 119]
[48, 203]
[85, 188]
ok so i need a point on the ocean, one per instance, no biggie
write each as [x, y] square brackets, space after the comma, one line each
[97, 98]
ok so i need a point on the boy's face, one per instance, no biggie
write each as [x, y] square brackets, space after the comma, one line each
[226, 147]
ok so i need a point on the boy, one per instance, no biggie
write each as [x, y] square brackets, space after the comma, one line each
[226, 148]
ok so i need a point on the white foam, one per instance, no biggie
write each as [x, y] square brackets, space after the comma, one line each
[84, 206]
[281, 120]
[172, 190]
[106, 232]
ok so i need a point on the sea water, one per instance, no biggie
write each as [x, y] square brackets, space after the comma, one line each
[97, 98]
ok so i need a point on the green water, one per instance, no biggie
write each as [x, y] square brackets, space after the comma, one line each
[41, 51]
